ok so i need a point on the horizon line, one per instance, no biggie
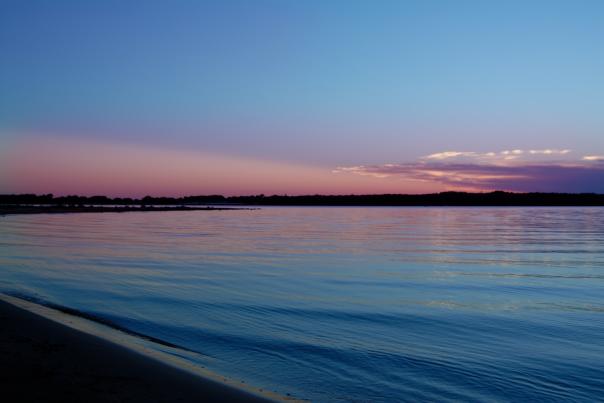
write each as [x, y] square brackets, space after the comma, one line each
[262, 195]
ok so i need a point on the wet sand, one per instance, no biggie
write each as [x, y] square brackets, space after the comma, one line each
[42, 361]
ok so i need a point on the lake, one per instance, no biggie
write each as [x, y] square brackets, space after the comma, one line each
[340, 303]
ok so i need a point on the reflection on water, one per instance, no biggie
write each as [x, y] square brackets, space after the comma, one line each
[330, 304]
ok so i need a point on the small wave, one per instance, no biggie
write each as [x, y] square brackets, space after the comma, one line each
[98, 319]
[535, 275]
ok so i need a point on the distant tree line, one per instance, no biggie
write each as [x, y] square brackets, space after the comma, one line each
[497, 198]
[74, 200]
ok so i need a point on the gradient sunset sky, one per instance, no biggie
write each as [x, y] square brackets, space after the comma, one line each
[129, 98]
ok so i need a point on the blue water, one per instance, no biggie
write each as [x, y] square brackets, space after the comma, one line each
[340, 304]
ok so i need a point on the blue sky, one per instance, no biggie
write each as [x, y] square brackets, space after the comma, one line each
[324, 83]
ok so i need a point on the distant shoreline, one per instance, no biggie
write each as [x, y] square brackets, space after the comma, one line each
[445, 199]
[31, 209]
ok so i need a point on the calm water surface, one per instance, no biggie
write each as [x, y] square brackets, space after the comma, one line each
[338, 304]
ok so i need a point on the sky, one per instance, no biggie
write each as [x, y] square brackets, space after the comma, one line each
[128, 98]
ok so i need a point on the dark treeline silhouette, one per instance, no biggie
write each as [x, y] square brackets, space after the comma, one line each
[497, 198]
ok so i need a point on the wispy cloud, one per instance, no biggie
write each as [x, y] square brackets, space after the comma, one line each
[515, 170]
[496, 156]
[549, 151]
[451, 154]
[593, 158]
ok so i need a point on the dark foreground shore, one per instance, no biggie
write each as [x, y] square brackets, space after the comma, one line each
[44, 361]
[15, 209]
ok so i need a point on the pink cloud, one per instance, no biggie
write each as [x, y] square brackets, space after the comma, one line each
[512, 170]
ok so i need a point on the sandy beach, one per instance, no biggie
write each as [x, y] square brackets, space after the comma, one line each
[42, 360]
